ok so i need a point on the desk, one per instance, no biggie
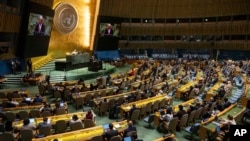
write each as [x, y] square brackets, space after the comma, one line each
[83, 94]
[82, 135]
[53, 119]
[175, 110]
[140, 103]
[78, 58]
[185, 88]
[170, 83]
[98, 100]
[28, 108]
[11, 94]
[209, 127]
[164, 138]
[246, 96]
[213, 91]
[33, 80]
[19, 100]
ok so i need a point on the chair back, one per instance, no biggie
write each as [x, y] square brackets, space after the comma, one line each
[183, 121]
[46, 114]
[26, 135]
[111, 103]
[143, 111]
[132, 134]
[57, 95]
[135, 115]
[76, 126]
[60, 126]
[149, 107]
[87, 98]
[120, 100]
[88, 123]
[97, 138]
[198, 113]
[172, 125]
[103, 108]
[45, 130]
[35, 113]
[162, 103]
[191, 117]
[7, 137]
[115, 138]
[60, 111]
[10, 116]
[156, 105]
[79, 101]
[212, 106]
[23, 115]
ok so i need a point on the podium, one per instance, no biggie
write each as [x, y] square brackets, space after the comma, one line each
[78, 58]
[95, 66]
[72, 62]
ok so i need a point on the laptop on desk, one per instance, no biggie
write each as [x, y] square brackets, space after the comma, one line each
[127, 139]
[105, 126]
[32, 120]
[28, 99]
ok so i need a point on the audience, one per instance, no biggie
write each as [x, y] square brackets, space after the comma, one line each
[74, 120]
[45, 123]
[110, 132]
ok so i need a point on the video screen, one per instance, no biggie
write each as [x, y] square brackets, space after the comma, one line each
[109, 30]
[39, 25]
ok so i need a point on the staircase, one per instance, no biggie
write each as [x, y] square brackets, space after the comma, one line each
[49, 70]
[13, 80]
[236, 94]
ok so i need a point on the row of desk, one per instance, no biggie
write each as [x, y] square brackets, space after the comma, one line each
[209, 127]
[52, 119]
[29, 108]
[84, 134]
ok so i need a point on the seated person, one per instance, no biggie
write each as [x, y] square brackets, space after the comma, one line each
[89, 115]
[224, 133]
[11, 103]
[215, 111]
[110, 132]
[8, 126]
[46, 107]
[74, 120]
[27, 125]
[27, 100]
[129, 129]
[226, 103]
[58, 106]
[45, 123]
[38, 99]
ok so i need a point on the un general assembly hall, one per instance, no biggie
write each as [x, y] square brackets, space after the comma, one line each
[124, 70]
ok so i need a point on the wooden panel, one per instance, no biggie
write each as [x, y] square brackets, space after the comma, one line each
[173, 8]
[9, 22]
[48, 3]
[227, 45]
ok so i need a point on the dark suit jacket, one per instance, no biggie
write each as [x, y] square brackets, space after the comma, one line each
[106, 33]
[41, 32]
[129, 129]
[110, 133]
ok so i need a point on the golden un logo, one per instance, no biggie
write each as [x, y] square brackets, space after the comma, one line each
[65, 19]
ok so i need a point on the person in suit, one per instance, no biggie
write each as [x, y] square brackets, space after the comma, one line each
[109, 31]
[40, 27]
[110, 132]
[130, 128]
[45, 123]
[29, 65]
